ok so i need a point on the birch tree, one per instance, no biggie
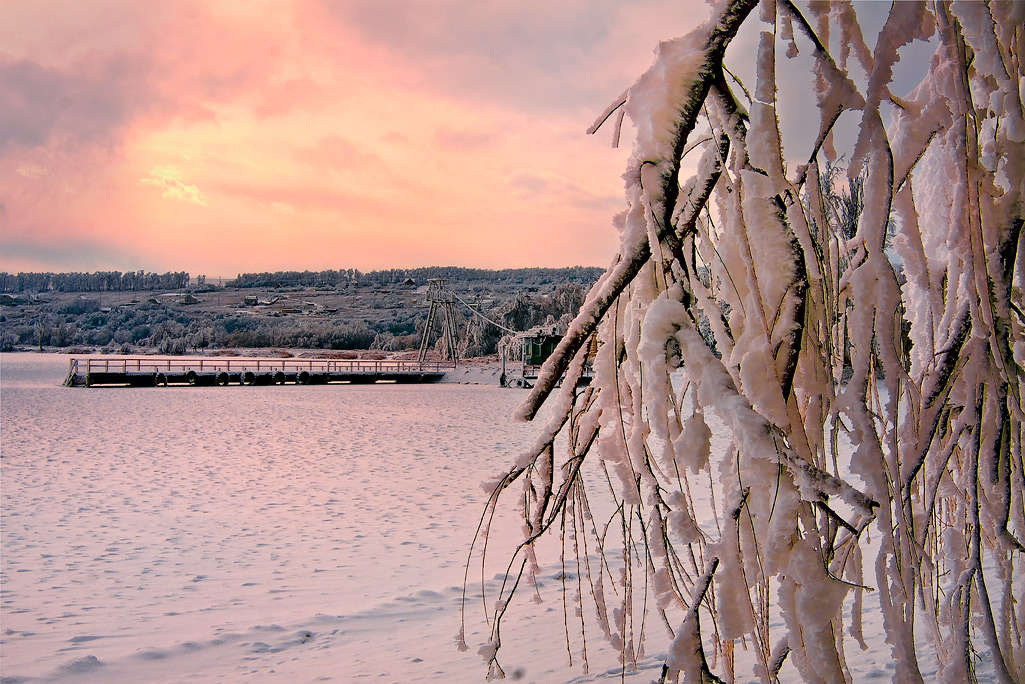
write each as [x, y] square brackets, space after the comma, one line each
[871, 399]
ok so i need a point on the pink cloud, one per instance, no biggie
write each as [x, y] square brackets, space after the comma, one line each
[206, 136]
[169, 181]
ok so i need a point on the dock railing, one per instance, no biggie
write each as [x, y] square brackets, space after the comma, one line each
[235, 364]
[85, 367]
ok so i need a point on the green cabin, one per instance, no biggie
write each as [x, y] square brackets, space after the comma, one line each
[538, 347]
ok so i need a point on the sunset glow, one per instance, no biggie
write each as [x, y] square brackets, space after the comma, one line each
[240, 136]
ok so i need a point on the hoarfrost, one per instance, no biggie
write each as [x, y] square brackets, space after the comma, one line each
[739, 295]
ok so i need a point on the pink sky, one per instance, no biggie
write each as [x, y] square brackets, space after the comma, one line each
[240, 135]
[262, 135]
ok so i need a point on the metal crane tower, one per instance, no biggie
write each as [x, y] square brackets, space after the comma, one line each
[438, 296]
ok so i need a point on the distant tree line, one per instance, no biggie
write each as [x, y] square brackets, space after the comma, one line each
[396, 276]
[100, 281]
[131, 281]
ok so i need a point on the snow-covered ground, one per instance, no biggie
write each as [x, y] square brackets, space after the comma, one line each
[284, 533]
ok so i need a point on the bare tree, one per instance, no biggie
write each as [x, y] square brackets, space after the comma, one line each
[901, 484]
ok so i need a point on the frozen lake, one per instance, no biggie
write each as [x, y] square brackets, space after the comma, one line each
[315, 533]
[281, 533]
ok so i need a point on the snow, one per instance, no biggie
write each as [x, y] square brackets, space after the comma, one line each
[305, 533]
[655, 100]
[259, 534]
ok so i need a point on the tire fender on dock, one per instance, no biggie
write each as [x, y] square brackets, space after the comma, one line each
[303, 378]
[160, 380]
[190, 377]
[247, 378]
[222, 378]
[278, 378]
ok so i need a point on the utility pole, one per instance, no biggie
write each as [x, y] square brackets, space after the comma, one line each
[438, 296]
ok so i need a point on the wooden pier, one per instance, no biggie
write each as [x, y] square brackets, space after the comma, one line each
[212, 372]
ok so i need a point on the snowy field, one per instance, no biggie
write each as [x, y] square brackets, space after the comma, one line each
[282, 533]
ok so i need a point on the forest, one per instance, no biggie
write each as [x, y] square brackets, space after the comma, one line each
[98, 281]
[394, 276]
[129, 281]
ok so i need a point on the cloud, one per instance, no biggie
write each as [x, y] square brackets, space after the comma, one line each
[529, 182]
[41, 105]
[169, 180]
[24, 253]
[84, 78]
[336, 152]
[446, 125]
[282, 207]
[32, 171]
[465, 140]
[534, 55]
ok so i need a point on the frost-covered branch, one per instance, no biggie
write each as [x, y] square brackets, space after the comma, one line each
[791, 391]
[686, 78]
